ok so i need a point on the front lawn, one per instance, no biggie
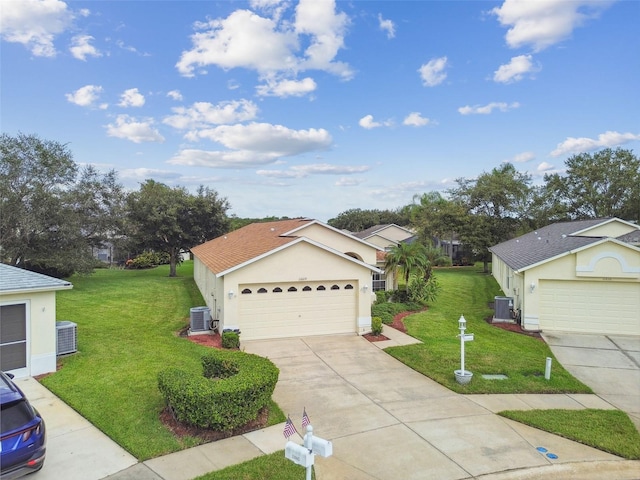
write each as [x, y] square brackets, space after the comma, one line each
[127, 323]
[467, 291]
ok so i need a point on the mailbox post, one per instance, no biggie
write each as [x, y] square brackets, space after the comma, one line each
[463, 376]
[304, 455]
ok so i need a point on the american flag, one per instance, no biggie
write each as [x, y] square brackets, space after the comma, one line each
[305, 418]
[289, 428]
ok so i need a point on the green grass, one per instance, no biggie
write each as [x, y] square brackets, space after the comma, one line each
[608, 430]
[127, 323]
[466, 291]
[266, 467]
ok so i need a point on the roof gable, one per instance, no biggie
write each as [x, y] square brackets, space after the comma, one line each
[14, 279]
[550, 242]
[380, 229]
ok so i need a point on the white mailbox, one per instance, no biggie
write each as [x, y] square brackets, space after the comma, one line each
[298, 454]
[322, 447]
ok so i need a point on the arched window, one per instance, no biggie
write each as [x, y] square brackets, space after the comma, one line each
[335, 287]
[245, 291]
[292, 289]
[321, 287]
[348, 286]
[306, 289]
[262, 290]
[277, 290]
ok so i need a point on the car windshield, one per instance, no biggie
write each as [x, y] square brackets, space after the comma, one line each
[14, 415]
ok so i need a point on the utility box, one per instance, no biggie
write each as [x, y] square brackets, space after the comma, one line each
[503, 308]
[298, 454]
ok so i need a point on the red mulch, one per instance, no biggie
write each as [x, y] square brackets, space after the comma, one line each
[514, 327]
[206, 339]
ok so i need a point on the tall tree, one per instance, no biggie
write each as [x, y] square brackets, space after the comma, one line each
[603, 184]
[496, 204]
[51, 213]
[171, 220]
[407, 258]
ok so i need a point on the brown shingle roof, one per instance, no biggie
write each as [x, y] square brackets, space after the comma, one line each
[246, 243]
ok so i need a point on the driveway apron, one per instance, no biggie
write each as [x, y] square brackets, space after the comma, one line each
[387, 421]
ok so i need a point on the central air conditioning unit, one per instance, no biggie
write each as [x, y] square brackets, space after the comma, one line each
[503, 307]
[67, 337]
[200, 318]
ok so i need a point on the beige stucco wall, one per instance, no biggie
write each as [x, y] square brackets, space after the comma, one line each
[611, 229]
[381, 242]
[395, 233]
[300, 262]
[339, 241]
[41, 330]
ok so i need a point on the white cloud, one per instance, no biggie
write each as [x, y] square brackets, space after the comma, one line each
[543, 23]
[348, 182]
[487, 109]
[131, 129]
[301, 171]
[583, 144]
[432, 73]
[515, 70]
[205, 114]
[252, 145]
[368, 123]
[387, 26]
[415, 119]
[287, 88]
[81, 47]
[522, 157]
[175, 95]
[85, 96]
[267, 45]
[544, 167]
[131, 98]
[35, 24]
[145, 173]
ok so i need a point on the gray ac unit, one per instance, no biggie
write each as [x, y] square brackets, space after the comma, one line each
[67, 337]
[200, 319]
[503, 307]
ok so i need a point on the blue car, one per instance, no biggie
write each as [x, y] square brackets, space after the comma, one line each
[22, 434]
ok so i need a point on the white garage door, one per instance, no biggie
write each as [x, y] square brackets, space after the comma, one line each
[297, 309]
[590, 307]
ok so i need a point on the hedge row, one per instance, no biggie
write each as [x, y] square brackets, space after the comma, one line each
[231, 391]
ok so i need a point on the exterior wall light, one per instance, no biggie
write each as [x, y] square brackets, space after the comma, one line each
[532, 287]
[230, 294]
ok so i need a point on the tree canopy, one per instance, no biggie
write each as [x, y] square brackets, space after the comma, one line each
[357, 220]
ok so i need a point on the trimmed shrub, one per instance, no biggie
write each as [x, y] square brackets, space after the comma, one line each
[148, 260]
[231, 391]
[376, 326]
[230, 340]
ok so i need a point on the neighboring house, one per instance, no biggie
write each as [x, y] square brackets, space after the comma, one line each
[28, 338]
[581, 276]
[287, 278]
[384, 237]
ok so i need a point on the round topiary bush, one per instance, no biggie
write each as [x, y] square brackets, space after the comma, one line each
[230, 392]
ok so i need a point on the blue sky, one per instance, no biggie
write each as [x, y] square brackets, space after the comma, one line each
[313, 107]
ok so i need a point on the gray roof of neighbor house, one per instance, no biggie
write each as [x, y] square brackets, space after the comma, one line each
[545, 243]
[14, 279]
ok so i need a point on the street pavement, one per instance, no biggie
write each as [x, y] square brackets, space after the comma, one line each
[385, 421]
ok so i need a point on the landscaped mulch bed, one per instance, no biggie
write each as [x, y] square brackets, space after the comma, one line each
[397, 323]
[513, 327]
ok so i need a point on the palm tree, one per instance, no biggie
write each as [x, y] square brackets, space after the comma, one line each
[434, 256]
[409, 258]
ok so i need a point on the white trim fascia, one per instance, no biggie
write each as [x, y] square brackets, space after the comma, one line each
[36, 289]
[318, 222]
[294, 242]
[614, 219]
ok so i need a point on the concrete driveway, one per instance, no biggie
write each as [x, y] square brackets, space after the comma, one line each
[387, 421]
[609, 364]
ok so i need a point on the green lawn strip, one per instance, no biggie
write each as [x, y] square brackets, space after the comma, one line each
[127, 323]
[467, 291]
[265, 467]
[608, 430]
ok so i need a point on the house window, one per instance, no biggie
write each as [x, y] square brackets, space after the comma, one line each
[277, 290]
[292, 289]
[335, 287]
[379, 282]
[262, 290]
[348, 286]
[321, 287]
[246, 291]
[306, 289]
[13, 336]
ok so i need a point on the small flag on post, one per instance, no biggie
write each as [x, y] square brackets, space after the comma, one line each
[305, 418]
[289, 428]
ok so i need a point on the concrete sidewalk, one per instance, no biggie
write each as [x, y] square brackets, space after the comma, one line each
[385, 420]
